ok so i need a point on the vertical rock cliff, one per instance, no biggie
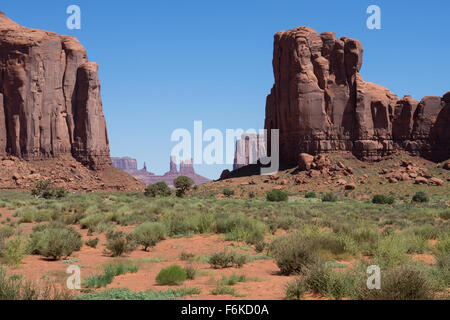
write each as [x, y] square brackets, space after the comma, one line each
[320, 103]
[50, 101]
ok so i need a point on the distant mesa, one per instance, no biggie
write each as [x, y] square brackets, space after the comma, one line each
[129, 165]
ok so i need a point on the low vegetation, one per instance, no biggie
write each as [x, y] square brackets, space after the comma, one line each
[171, 276]
[303, 238]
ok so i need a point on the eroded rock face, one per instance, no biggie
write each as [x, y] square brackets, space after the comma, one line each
[320, 103]
[50, 101]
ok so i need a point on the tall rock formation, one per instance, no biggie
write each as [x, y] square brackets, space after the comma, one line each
[186, 167]
[50, 103]
[320, 103]
[249, 149]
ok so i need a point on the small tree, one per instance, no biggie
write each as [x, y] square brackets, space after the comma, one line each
[182, 184]
[159, 189]
[43, 189]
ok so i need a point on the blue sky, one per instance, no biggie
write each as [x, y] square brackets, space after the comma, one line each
[165, 64]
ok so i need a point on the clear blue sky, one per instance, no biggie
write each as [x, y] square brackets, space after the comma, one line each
[164, 64]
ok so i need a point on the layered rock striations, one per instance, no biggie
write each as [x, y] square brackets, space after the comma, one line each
[320, 103]
[50, 101]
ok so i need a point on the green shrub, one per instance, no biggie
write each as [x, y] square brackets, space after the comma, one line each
[404, 283]
[232, 279]
[228, 192]
[173, 275]
[330, 283]
[292, 254]
[296, 289]
[149, 234]
[421, 197]
[55, 241]
[220, 289]
[185, 256]
[159, 189]
[15, 251]
[93, 242]
[382, 199]
[42, 189]
[109, 272]
[277, 196]
[119, 243]
[310, 195]
[390, 251]
[329, 197]
[127, 294]
[227, 259]
[183, 184]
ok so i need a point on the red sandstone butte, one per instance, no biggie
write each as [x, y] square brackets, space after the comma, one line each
[320, 103]
[50, 101]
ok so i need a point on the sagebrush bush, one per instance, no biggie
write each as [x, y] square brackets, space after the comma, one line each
[173, 275]
[191, 271]
[329, 197]
[159, 189]
[55, 241]
[403, 283]
[149, 234]
[421, 197]
[119, 243]
[93, 242]
[277, 196]
[228, 192]
[326, 281]
[227, 259]
[15, 288]
[296, 289]
[293, 255]
[382, 199]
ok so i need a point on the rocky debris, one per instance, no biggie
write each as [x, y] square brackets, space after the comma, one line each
[320, 103]
[436, 182]
[421, 180]
[50, 101]
[305, 161]
[249, 149]
[408, 170]
[63, 172]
